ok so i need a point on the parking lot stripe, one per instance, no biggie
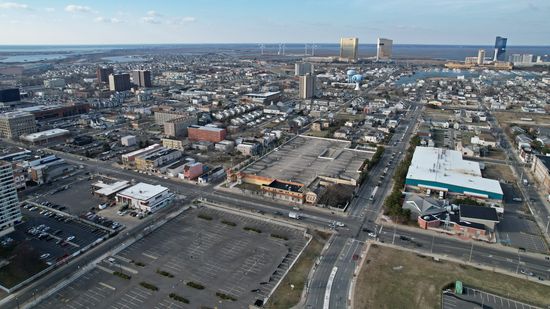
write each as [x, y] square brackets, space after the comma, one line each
[150, 256]
[107, 286]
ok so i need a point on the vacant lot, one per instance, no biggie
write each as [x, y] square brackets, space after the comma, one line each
[398, 279]
[285, 296]
[516, 117]
[499, 172]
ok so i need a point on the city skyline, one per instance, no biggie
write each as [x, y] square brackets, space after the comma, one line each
[243, 21]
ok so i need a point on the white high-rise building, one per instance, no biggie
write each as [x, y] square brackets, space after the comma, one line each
[480, 56]
[384, 48]
[9, 202]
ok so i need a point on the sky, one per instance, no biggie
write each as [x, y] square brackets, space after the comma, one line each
[462, 22]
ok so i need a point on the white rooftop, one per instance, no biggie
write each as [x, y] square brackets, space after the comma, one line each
[143, 191]
[447, 166]
[44, 135]
[108, 189]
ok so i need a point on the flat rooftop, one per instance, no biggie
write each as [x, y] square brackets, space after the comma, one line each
[45, 134]
[108, 189]
[305, 158]
[447, 167]
[143, 191]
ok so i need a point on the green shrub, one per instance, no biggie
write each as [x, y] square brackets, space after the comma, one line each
[122, 275]
[149, 286]
[253, 229]
[229, 223]
[195, 285]
[225, 296]
[205, 217]
[181, 299]
[164, 273]
[279, 236]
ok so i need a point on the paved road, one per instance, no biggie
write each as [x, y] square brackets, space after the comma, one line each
[362, 213]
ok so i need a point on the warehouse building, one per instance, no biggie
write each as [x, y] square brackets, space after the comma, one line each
[443, 171]
[46, 137]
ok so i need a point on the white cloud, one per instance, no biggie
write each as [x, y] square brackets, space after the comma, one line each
[153, 13]
[150, 20]
[182, 20]
[73, 8]
[107, 20]
[13, 5]
[188, 19]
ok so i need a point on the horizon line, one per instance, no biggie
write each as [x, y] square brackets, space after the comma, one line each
[257, 43]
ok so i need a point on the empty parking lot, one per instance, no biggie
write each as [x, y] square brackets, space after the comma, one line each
[224, 253]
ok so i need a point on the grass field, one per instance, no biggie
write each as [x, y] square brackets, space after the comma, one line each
[286, 297]
[393, 278]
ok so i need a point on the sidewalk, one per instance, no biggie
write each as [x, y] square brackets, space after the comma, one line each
[442, 235]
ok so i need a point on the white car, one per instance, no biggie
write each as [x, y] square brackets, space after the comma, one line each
[45, 256]
[70, 238]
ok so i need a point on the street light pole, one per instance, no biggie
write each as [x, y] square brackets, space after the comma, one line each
[471, 251]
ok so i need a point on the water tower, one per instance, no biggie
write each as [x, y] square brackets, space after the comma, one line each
[350, 74]
[357, 79]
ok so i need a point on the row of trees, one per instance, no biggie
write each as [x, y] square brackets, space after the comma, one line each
[394, 202]
[371, 163]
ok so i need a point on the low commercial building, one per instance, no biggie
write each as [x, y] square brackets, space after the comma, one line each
[130, 158]
[263, 98]
[129, 140]
[541, 170]
[145, 197]
[173, 144]
[445, 172]
[206, 134]
[157, 158]
[107, 191]
[15, 124]
[192, 170]
[46, 137]
[46, 112]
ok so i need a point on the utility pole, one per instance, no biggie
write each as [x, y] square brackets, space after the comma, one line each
[394, 231]
[433, 240]
[471, 251]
